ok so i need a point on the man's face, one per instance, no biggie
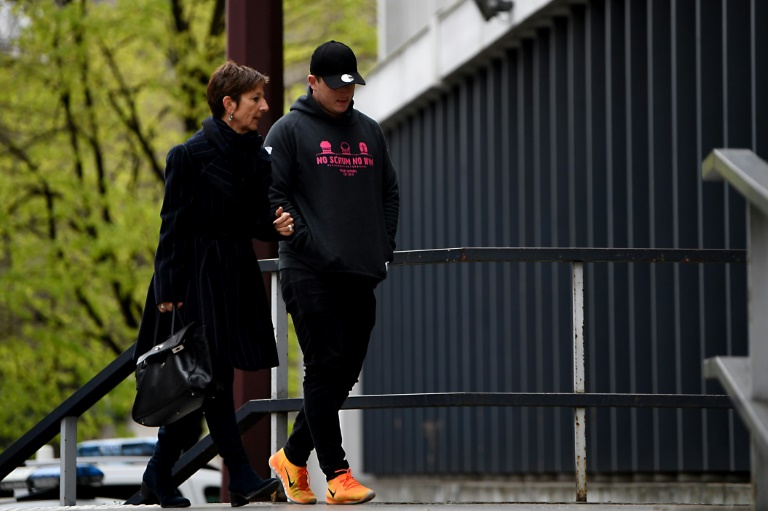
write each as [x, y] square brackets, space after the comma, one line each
[334, 101]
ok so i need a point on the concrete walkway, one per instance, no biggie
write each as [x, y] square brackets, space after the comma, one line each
[265, 506]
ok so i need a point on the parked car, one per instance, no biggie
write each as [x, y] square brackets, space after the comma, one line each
[108, 472]
[139, 446]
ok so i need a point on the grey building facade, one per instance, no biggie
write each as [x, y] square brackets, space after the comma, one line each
[563, 124]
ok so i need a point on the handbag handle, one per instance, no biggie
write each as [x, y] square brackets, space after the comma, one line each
[174, 314]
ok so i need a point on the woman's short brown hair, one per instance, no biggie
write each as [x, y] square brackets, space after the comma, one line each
[233, 80]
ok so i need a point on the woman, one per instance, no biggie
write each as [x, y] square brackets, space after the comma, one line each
[215, 203]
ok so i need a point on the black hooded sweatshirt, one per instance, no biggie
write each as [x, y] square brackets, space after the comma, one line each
[335, 177]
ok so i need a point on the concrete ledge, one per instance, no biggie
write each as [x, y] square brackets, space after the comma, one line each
[743, 170]
[463, 490]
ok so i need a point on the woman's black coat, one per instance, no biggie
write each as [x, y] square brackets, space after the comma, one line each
[216, 202]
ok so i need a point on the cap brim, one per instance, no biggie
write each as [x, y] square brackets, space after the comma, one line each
[336, 81]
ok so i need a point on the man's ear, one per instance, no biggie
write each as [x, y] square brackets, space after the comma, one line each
[312, 81]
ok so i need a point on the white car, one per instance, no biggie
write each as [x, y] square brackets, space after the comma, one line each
[106, 478]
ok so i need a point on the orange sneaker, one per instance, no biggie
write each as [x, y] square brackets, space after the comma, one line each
[345, 489]
[295, 479]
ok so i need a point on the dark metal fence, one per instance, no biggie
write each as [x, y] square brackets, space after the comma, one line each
[577, 399]
[585, 126]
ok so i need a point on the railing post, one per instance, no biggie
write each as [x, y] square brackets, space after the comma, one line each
[68, 462]
[280, 373]
[579, 418]
[757, 277]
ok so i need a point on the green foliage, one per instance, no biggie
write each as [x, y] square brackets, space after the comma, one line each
[33, 385]
[91, 104]
[308, 24]
[93, 94]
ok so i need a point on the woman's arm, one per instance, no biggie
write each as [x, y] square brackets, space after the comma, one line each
[172, 259]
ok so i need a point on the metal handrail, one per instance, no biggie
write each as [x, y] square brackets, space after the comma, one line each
[280, 405]
[743, 170]
[74, 406]
[556, 254]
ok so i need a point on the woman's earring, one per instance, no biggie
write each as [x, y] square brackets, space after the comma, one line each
[231, 115]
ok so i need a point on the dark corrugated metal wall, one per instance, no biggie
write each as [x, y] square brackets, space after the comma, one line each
[587, 132]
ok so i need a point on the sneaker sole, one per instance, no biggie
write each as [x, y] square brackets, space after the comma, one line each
[279, 476]
[367, 498]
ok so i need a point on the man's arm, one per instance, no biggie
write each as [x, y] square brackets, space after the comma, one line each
[390, 195]
[282, 149]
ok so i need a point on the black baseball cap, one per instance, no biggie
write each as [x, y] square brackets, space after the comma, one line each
[335, 63]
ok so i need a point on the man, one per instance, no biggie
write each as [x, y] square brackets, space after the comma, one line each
[332, 173]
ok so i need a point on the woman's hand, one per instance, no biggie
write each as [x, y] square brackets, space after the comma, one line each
[168, 306]
[284, 222]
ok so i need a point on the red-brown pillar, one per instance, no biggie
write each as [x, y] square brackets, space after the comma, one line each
[255, 39]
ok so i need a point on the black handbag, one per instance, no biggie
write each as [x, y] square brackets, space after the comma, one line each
[173, 378]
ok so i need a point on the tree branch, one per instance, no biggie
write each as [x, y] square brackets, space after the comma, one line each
[131, 118]
[218, 20]
[127, 305]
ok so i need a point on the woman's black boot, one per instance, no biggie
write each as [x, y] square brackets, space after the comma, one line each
[157, 487]
[245, 485]
[157, 483]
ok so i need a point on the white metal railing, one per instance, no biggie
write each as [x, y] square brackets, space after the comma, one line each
[745, 378]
